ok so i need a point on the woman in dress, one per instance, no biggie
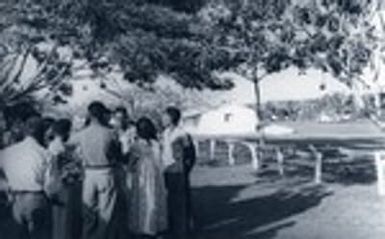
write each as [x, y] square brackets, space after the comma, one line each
[148, 198]
[125, 132]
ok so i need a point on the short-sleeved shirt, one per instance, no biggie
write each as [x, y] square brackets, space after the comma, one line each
[25, 165]
[94, 143]
[168, 137]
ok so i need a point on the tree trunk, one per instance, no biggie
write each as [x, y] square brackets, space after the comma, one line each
[257, 92]
[377, 102]
[257, 100]
[357, 98]
[258, 115]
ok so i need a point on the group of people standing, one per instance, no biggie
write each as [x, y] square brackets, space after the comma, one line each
[114, 178]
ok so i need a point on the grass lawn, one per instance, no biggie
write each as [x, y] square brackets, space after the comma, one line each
[231, 202]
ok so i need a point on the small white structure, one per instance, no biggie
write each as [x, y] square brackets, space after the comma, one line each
[228, 119]
[379, 157]
[277, 130]
[231, 120]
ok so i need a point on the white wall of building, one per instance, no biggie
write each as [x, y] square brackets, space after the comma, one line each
[228, 119]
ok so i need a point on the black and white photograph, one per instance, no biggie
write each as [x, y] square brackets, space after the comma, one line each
[192, 119]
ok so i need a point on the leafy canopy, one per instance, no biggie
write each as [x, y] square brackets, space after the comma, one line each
[148, 38]
[273, 35]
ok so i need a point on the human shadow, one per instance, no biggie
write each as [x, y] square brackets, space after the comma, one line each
[217, 215]
[350, 172]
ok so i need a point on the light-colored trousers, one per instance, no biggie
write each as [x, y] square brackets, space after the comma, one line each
[99, 200]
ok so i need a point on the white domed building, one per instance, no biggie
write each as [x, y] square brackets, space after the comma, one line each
[225, 120]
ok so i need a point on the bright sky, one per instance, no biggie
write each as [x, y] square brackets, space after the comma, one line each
[287, 85]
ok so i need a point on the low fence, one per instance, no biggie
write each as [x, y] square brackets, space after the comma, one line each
[319, 158]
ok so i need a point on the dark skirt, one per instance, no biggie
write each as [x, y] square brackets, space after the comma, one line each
[179, 204]
[67, 213]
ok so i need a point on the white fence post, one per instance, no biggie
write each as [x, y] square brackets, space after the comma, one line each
[318, 168]
[379, 157]
[318, 164]
[280, 161]
[212, 149]
[231, 158]
[197, 148]
[254, 156]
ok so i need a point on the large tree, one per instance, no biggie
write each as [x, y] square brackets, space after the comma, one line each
[140, 39]
[143, 39]
[261, 37]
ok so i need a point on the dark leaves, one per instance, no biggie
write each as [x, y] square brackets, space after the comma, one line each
[335, 64]
[66, 89]
[277, 61]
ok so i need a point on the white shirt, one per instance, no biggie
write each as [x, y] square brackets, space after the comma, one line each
[127, 138]
[168, 137]
[25, 164]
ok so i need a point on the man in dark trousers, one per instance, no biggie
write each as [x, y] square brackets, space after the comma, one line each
[178, 156]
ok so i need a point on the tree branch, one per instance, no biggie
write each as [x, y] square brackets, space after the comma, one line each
[38, 78]
[36, 87]
[25, 56]
[6, 79]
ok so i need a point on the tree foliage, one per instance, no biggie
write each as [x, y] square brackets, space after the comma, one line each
[187, 40]
[335, 36]
[262, 37]
[142, 38]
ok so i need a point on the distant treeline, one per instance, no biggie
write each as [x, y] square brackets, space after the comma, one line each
[334, 106]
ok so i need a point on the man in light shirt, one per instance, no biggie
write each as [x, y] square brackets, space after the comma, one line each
[178, 156]
[98, 148]
[25, 164]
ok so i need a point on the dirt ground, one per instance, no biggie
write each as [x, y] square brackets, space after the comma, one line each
[233, 203]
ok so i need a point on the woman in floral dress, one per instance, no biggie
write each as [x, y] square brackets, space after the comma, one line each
[148, 199]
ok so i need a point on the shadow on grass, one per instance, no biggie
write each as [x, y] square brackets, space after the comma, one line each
[219, 216]
[342, 170]
[356, 169]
